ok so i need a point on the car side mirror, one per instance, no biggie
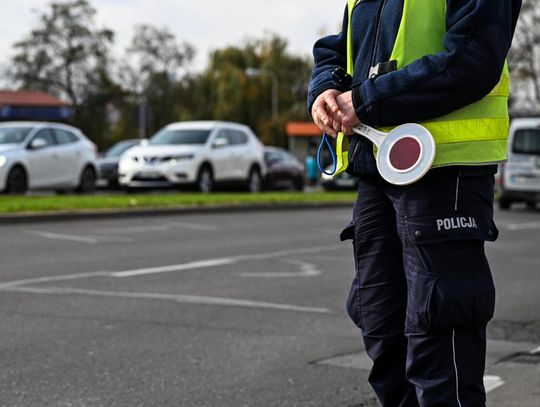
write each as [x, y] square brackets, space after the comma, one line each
[38, 143]
[220, 142]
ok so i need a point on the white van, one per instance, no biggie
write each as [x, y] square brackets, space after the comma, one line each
[519, 177]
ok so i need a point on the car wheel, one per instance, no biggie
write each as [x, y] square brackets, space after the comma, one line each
[87, 182]
[504, 203]
[299, 184]
[254, 183]
[531, 205]
[205, 180]
[17, 181]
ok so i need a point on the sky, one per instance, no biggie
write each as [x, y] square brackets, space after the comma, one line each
[208, 25]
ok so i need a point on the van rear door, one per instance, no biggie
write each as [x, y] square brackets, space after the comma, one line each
[522, 172]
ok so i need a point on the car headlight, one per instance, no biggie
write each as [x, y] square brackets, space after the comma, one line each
[3, 160]
[174, 160]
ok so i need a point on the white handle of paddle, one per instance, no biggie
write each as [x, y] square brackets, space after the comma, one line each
[375, 136]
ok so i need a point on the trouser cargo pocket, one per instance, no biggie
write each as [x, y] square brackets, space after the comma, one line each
[449, 283]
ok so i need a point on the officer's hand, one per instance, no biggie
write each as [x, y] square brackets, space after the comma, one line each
[347, 116]
[326, 113]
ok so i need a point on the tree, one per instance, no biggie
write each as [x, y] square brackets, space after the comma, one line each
[153, 73]
[524, 61]
[233, 95]
[65, 54]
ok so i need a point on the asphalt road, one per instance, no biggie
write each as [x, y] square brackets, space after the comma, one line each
[225, 310]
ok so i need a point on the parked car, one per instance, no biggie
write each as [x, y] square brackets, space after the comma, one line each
[203, 154]
[283, 169]
[40, 155]
[108, 162]
[343, 181]
[519, 177]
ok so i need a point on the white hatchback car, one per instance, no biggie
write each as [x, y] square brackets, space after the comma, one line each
[203, 154]
[40, 155]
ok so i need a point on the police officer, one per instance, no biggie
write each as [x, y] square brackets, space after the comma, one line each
[423, 292]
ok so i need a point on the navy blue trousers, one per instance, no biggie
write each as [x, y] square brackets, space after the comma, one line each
[423, 291]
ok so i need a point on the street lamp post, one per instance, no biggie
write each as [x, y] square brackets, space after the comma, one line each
[275, 86]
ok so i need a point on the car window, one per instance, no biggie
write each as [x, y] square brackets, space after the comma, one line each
[119, 148]
[9, 135]
[291, 159]
[234, 137]
[65, 137]
[274, 156]
[222, 134]
[47, 135]
[240, 137]
[180, 136]
[527, 141]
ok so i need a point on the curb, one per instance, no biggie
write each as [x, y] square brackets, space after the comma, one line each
[66, 216]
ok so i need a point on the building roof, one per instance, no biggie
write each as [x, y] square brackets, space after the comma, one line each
[302, 129]
[30, 98]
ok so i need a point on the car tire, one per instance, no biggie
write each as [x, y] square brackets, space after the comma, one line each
[17, 181]
[254, 181]
[531, 205]
[299, 184]
[504, 203]
[87, 181]
[205, 180]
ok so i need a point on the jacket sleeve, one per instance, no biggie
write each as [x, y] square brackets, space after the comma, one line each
[329, 53]
[478, 36]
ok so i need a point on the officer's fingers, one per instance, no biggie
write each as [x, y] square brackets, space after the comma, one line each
[323, 116]
[324, 127]
[336, 125]
[349, 121]
[331, 102]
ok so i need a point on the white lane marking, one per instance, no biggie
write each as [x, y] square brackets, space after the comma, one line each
[492, 382]
[523, 226]
[221, 261]
[60, 236]
[182, 299]
[159, 228]
[175, 267]
[535, 351]
[78, 238]
[306, 270]
[50, 279]
[291, 252]
[195, 226]
[165, 269]
[135, 229]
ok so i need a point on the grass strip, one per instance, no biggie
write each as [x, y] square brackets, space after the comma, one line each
[55, 203]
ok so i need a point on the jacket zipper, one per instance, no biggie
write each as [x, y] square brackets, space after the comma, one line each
[376, 37]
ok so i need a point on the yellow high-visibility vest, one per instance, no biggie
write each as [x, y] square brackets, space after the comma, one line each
[474, 135]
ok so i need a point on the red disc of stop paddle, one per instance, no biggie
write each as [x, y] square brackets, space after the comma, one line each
[405, 153]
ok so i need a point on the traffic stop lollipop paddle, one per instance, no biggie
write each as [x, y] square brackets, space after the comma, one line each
[404, 155]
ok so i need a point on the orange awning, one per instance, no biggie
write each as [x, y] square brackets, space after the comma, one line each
[302, 129]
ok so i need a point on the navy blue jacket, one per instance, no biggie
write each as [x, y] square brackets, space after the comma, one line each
[478, 36]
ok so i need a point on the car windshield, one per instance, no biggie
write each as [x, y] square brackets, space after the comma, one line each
[118, 149]
[13, 135]
[184, 136]
[527, 141]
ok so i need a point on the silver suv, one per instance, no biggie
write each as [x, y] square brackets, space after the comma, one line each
[195, 153]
